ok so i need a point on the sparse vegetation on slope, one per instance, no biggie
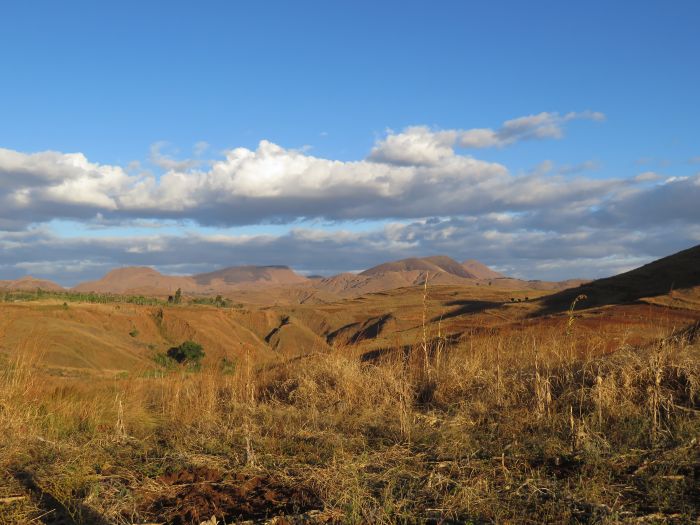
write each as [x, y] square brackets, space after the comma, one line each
[77, 297]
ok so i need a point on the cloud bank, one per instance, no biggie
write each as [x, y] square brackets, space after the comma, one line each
[432, 194]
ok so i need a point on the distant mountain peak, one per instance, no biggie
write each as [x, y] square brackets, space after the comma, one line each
[277, 274]
[431, 265]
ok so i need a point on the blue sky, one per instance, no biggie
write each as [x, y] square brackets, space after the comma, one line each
[333, 80]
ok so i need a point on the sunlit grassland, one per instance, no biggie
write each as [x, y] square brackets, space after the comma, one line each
[532, 425]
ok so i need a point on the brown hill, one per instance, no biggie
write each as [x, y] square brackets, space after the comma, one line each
[342, 284]
[480, 270]
[433, 265]
[138, 280]
[676, 274]
[145, 280]
[29, 283]
[236, 275]
[107, 337]
[440, 270]
[353, 285]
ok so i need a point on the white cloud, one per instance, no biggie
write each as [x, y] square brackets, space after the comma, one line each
[412, 174]
[543, 125]
[60, 180]
[439, 199]
[419, 145]
[272, 183]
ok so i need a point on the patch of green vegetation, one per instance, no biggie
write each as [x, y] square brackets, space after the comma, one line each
[218, 301]
[78, 297]
[188, 352]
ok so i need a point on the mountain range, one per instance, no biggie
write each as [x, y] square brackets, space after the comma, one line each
[283, 282]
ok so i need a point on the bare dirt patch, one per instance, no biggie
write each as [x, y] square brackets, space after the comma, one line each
[195, 494]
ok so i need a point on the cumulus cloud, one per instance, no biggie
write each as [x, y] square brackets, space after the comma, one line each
[411, 174]
[416, 145]
[42, 186]
[274, 184]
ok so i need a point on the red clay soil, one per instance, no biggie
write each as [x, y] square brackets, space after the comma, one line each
[195, 494]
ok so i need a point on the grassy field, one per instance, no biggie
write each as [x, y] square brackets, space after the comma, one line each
[538, 424]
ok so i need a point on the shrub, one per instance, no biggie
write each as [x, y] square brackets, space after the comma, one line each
[187, 352]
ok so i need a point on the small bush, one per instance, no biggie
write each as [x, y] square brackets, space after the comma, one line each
[187, 352]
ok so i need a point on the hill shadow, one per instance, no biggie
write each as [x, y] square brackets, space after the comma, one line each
[466, 307]
[360, 331]
[675, 272]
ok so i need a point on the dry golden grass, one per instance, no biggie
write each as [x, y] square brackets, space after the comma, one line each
[528, 426]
